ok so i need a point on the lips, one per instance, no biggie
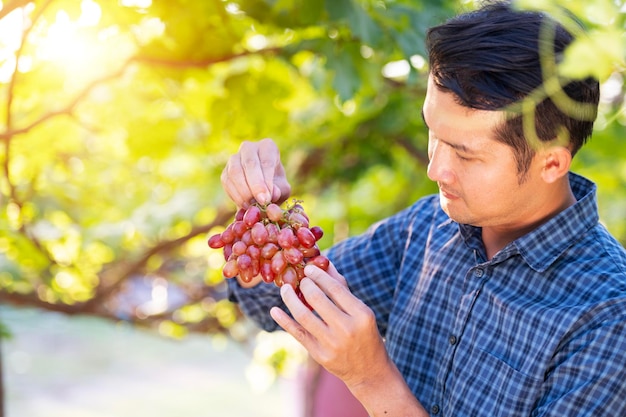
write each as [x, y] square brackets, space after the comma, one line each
[448, 194]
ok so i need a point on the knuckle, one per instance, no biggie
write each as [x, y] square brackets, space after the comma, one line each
[249, 162]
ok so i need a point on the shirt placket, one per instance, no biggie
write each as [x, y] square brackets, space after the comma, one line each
[475, 278]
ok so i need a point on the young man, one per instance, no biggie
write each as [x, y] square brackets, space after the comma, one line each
[502, 295]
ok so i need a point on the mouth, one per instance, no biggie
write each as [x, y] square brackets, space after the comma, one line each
[447, 194]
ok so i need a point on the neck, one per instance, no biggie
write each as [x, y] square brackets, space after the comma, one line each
[495, 238]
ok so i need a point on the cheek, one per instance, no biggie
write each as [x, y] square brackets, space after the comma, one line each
[488, 184]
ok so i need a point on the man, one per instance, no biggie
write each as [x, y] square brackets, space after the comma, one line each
[501, 296]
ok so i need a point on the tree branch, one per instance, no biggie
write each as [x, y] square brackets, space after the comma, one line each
[181, 64]
[121, 272]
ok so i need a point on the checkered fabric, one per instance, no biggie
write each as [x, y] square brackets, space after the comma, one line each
[538, 330]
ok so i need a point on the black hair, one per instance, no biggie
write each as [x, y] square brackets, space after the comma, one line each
[491, 59]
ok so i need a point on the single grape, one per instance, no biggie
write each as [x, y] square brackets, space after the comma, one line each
[228, 250]
[228, 235]
[297, 219]
[299, 271]
[247, 237]
[293, 255]
[305, 237]
[244, 261]
[317, 232]
[239, 228]
[310, 252]
[274, 212]
[278, 263]
[246, 275]
[239, 248]
[252, 215]
[321, 262]
[230, 269]
[240, 213]
[259, 234]
[254, 252]
[290, 277]
[216, 241]
[265, 269]
[272, 232]
[286, 238]
[269, 250]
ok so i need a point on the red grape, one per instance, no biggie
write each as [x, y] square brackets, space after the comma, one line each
[290, 277]
[239, 248]
[321, 262]
[230, 269]
[265, 267]
[317, 232]
[297, 219]
[272, 232]
[286, 238]
[278, 263]
[239, 228]
[293, 255]
[244, 261]
[305, 237]
[240, 213]
[270, 242]
[259, 234]
[301, 297]
[216, 241]
[269, 250]
[252, 216]
[274, 212]
[228, 235]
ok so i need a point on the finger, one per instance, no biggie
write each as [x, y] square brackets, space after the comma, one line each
[234, 182]
[282, 189]
[271, 168]
[332, 271]
[293, 328]
[320, 302]
[334, 287]
[301, 313]
[258, 169]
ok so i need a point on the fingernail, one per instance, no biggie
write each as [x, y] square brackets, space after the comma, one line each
[263, 198]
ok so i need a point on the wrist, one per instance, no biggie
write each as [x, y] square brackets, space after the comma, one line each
[386, 394]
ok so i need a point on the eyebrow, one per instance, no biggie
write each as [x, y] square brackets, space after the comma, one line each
[456, 146]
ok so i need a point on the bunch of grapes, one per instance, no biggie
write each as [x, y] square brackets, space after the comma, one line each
[271, 241]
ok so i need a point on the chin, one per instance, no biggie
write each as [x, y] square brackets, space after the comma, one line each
[459, 216]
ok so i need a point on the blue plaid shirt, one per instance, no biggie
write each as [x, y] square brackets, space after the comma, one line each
[538, 330]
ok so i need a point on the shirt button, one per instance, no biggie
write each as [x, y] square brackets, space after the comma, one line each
[435, 409]
[478, 273]
[452, 340]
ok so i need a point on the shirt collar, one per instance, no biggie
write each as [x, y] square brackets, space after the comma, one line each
[541, 247]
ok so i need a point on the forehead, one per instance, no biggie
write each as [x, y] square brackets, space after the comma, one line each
[447, 119]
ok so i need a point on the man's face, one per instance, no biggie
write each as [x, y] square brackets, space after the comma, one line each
[477, 175]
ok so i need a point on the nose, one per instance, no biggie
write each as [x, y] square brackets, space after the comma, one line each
[439, 165]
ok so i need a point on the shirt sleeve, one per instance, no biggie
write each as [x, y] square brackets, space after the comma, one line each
[589, 372]
[256, 302]
[372, 262]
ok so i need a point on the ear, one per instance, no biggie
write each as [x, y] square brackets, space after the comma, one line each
[556, 163]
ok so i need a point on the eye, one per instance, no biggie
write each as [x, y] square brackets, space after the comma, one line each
[462, 158]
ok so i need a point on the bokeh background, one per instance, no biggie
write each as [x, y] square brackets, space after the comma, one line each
[116, 119]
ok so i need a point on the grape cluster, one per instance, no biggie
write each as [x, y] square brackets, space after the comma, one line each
[271, 241]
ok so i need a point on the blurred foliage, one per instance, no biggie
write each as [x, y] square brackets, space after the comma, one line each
[116, 119]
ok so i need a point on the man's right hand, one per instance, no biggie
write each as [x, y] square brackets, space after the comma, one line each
[256, 173]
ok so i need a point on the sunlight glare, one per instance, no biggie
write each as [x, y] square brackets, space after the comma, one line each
[11, 29]
[142, 4]
[66, 42]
